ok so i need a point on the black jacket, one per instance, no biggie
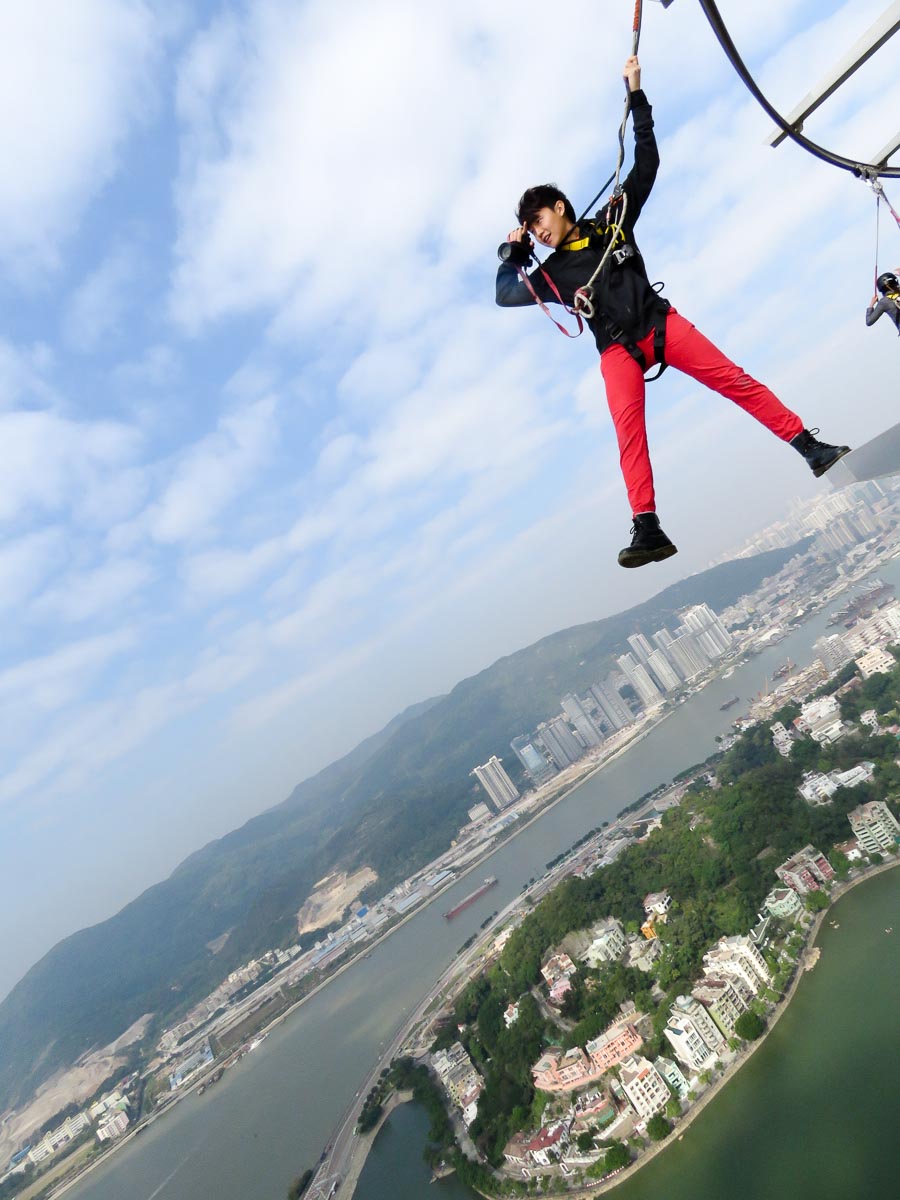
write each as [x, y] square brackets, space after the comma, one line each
[887, 304]
[623, 297]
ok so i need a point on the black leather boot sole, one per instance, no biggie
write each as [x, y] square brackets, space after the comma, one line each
[639, 556]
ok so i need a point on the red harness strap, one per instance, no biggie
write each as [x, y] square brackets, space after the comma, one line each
[553, 288]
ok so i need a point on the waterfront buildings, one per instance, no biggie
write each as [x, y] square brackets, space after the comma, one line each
[616, 1042]
[723, 998]
[70, 1128]
[495, 781]
[584, 724]
[672, 1074]
[693, 1034]
[614, 709]
[644, 1087]
[784, 903]
[806, 871]
[637, 676]
[738, 957]
[461, 1081]
[560, 742]
[112, 1126]
[875, 827]
[530, 754]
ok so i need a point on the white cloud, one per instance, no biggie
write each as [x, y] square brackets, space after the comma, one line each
[73, 79]
[99, 303]
[48, 462]
[26, 562]
[208, 476]
[88, 594]
[54, 679]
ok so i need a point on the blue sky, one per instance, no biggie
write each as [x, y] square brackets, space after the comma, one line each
[273, 465]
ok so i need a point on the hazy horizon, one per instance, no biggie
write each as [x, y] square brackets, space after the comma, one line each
[275, 467]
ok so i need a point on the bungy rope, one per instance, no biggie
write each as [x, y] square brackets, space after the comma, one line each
[584, 297]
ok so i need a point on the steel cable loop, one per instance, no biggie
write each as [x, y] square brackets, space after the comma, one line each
[860, 169]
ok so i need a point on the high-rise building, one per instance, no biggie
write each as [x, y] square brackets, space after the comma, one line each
[875, 827]
[737, 956]
[637, 676]
[643, 1086]
[833, 651]
[614, 709]
[641, 647]
[531, 758]
[702, 622]
[585, 725]
[663, 671]
[560, 742]
[723, 999]
[694, 1035]
[690, 659]
[495, 781]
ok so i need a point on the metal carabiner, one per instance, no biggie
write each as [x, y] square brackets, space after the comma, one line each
[584, 302]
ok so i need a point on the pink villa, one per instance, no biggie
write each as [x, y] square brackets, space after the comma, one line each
[615, 1043]
[558, 1071]
[559, 989]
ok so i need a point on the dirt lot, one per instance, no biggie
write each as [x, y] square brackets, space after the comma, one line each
[332, 898]
[75, 1084]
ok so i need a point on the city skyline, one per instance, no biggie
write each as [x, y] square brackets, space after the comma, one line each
[257, 500]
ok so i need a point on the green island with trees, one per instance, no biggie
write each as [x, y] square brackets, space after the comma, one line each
[715, 854]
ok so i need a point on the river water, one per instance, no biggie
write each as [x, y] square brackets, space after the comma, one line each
[248, 1136]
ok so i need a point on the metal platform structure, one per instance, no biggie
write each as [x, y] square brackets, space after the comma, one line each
[878, 33]
[875, 37]
[876, 459]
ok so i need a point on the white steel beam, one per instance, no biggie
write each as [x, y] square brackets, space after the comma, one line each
[874, 37]
[881, 158]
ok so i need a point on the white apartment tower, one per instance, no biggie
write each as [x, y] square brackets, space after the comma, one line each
[611, 704]
[643, 1086]
[560, 742]
[585, 725]
[495, 781]
[737, 956]
[712, 635]
[659, 666]
[637, 676]
[875, 827]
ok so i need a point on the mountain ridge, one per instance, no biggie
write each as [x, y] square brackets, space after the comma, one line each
[394, 802]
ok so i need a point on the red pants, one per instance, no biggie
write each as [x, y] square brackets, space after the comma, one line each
[689, 351]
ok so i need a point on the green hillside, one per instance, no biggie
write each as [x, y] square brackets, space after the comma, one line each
[393, 803]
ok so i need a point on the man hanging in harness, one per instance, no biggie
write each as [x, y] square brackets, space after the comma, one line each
[889, 286]
[633, 326]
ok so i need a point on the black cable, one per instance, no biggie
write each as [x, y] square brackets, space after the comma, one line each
[862, 170]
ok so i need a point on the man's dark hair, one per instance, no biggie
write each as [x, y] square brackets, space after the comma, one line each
[545, 195]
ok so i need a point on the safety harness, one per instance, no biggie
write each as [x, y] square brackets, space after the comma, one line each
[604, 239]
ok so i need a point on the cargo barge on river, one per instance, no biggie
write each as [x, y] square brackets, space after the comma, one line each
[471, 898]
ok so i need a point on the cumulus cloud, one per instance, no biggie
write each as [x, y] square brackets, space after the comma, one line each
[73, 80]
[208, 476]
[98, 304]
[47, 461]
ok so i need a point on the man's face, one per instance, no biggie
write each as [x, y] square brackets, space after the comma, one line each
[551, 225]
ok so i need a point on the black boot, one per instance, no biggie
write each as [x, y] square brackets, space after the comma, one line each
[648, 542]
[819, 455]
